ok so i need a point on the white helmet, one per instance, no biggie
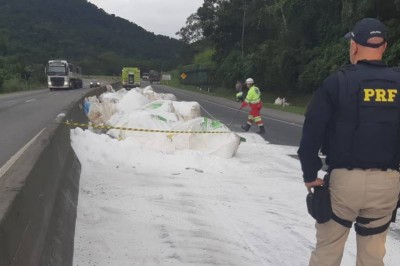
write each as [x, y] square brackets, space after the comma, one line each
[249, 81]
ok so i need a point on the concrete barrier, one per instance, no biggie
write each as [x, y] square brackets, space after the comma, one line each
[38, 198]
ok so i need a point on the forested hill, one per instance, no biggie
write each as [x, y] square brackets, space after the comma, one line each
[37, 30]
[286, 45]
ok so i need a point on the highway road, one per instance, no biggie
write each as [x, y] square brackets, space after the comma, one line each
[281, 127]
[24, 114]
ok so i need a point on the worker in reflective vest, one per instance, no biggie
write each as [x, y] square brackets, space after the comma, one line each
[253, 99]
[239, 91]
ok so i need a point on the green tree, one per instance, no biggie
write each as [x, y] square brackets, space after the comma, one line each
[192, 32]
[287, 45]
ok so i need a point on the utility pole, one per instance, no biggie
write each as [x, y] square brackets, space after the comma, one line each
[280, 5]
[243, 23]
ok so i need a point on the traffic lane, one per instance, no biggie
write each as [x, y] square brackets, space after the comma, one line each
[21, 122]
[277, 131]
[9, 100]
[279, 115]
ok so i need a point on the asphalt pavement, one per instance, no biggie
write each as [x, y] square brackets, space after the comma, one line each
[24, 114]
[282, 128]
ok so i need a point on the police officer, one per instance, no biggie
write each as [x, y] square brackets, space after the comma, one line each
[355, 117]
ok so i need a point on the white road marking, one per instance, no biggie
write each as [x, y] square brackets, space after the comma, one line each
[263, 116]
[31, 100]
[25, 93]
[266, 117]
[16, 156]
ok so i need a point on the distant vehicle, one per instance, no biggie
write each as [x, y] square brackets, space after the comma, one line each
[154, 76]
[145, 76]
[94, 84]
[130, 77]
[63, 75]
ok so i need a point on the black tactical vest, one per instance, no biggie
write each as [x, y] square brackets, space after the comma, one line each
[365, 130]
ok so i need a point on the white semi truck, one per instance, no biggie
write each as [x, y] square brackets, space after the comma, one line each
[63, 75]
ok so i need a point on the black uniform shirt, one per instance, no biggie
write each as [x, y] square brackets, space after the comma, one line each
[317, 119]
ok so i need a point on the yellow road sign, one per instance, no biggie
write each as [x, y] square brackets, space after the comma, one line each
[183, 75]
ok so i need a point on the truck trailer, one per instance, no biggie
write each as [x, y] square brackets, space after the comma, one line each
[154, 76]
[130, 77]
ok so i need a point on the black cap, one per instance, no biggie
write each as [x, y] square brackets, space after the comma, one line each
[365, 29]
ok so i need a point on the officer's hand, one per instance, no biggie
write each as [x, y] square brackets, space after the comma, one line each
[316, 183]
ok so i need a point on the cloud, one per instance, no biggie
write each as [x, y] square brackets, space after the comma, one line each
[158, 16]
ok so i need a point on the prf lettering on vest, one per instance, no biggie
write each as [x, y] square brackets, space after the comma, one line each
[379, 95]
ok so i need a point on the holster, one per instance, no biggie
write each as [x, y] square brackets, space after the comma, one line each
[395, 212]
[319, 203]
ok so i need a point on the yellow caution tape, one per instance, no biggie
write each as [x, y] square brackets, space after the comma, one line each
[73, 124]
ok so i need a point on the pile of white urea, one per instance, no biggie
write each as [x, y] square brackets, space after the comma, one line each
[160, 122]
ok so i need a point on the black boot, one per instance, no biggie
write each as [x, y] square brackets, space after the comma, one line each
[262, 130]
[246, 127]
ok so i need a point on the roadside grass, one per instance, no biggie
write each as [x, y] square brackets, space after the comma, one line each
[298, 103]
[15, 85]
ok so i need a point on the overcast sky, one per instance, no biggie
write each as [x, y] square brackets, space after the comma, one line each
[164, 17]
